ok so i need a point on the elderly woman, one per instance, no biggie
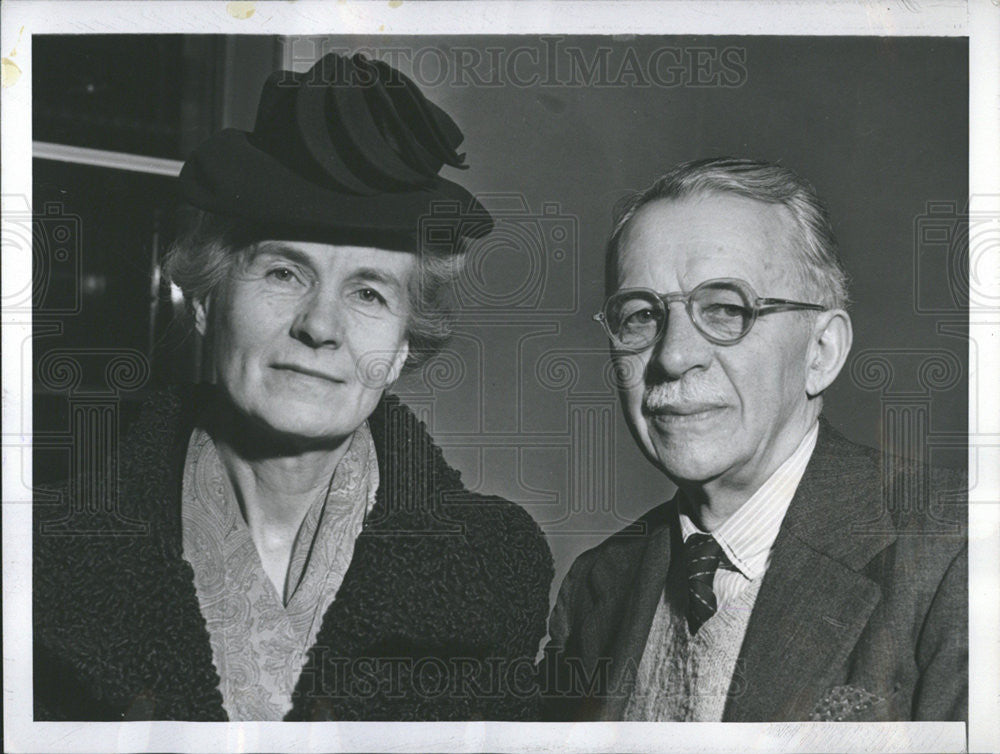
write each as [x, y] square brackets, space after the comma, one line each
[307, 552]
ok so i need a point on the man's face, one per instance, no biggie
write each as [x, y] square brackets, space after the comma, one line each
[305, 336]
[705, 412]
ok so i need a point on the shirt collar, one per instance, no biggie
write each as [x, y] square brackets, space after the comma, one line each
[747, 536]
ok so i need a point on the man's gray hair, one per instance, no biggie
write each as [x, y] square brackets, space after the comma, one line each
[213, 248]
[820, 267]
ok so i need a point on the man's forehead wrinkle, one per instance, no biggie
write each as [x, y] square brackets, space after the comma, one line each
[708, 236]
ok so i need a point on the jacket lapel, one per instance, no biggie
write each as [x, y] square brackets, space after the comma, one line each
[618, 626]
[814, 601]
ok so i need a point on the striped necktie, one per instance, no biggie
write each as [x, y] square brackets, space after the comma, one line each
[703, 556]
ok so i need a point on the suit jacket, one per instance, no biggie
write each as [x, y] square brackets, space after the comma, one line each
[443, 604]
[861, 615]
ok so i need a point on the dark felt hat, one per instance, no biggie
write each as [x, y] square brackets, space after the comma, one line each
[348, 152]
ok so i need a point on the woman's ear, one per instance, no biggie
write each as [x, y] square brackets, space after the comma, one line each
[200, 309]
[396, 368]
[829, 344]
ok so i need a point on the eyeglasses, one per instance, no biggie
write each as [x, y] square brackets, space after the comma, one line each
[723, 310]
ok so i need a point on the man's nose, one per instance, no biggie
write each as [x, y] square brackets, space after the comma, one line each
[681, 347]
[319, 321]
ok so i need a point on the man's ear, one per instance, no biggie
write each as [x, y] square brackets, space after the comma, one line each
[200, 309]
[829, 345]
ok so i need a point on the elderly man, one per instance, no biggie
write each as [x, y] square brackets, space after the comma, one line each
[783, 581]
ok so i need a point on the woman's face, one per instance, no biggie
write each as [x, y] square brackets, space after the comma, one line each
[306, 336]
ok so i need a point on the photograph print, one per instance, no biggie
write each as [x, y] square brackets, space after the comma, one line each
[535, 378]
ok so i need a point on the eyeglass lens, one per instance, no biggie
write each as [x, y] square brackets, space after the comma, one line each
[719, 310]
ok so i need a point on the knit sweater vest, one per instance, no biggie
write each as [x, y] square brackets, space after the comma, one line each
[684, 678]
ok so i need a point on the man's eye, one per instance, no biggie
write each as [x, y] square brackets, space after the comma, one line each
[639, 318]
[725, 310]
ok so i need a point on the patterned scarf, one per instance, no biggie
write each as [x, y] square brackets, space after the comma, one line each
[260, 643]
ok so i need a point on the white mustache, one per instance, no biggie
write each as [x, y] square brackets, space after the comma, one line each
[679, 394]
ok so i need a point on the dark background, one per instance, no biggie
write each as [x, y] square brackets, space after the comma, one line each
[522, 401]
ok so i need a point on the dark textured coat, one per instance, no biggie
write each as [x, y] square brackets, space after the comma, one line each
[439, 616]
[862, 613]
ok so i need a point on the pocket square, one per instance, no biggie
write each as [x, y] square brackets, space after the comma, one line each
[843, 703]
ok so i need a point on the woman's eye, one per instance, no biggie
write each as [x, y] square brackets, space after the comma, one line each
[370, 296]
[282, 274]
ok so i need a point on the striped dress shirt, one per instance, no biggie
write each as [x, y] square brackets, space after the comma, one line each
[747, 536]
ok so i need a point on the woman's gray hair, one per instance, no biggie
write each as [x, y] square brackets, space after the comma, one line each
[820, 265]
[213, 248]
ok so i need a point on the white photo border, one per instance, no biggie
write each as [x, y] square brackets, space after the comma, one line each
[979, 20]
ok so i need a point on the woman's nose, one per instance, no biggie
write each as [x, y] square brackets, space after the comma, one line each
[319, 321]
